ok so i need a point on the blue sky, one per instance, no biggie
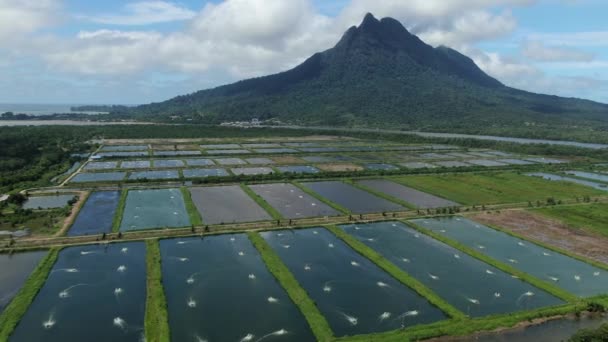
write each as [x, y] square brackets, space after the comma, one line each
[76, 51]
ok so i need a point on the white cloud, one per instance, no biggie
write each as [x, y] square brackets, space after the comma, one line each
[538, 51]
[589, 38]
[144, 13]
[22, 17]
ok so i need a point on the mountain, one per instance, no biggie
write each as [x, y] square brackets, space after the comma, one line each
[379, 74]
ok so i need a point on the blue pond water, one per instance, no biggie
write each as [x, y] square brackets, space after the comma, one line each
[93, 293]
[572, 275]
[97, 214]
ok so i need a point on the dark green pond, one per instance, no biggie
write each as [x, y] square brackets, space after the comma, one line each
[572, 275]
[473, 287]
[14, 271]
[354, 295]
[218, 289]
[93, 293]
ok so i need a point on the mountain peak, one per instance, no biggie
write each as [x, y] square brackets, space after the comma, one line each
[369, 21]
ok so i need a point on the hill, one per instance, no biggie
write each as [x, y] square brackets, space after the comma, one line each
[381, 75]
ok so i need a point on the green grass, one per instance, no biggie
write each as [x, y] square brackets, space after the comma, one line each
[156, 323]
[262, 203]
[494, 188]
[397, 273]
[18, 306]
[591, 217]
[315, 319]
[44, 222]
[120, 209]
[322, 199]
[193, 214]
[543, 285]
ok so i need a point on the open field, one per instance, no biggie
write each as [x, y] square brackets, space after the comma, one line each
[593, 217]
[539, 227]
[491, 188]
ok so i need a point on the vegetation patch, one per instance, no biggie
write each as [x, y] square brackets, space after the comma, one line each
[550, 288]
[120, 209]
[193, 214]
[494, 188]
[18, 306]
[156, 325]
[592, 217]
[298, 295]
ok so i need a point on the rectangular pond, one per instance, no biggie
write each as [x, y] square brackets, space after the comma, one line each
[168, 163]
[259, 161]
[156, 208]
[199, 162]
[511, 161]
[98, 177]
[553, 177]
[97, 214]
[176, 153]
[354, 295]
[135, 164]
[589, 175]
[228, 151]
[417, 165]
[230, 161]
[291, 202]
[451, 163]
[486, 162]
[418, 198]
[160, 174]
[298, 169]
[381, 167]
[101, 165]
[218, 289]
[470, 285]
[354, 199]
[261, 145]
[275, 150]
[16, 268]
[572, 275]
[124, 148]
[203, 173]
[226, 204]
[220, 146]
[47, 202]
[250, 171]
[93, 293]
[122, 154]
[546, 160]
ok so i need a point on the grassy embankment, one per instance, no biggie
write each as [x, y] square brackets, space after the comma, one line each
[120, 209]
[397, 273]
[495, 188]
[336, 206]
[193, 214]
[261, 202]
[590, 217]
[315, 319]
[156, 325]
[18, 306]
[543, 285]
